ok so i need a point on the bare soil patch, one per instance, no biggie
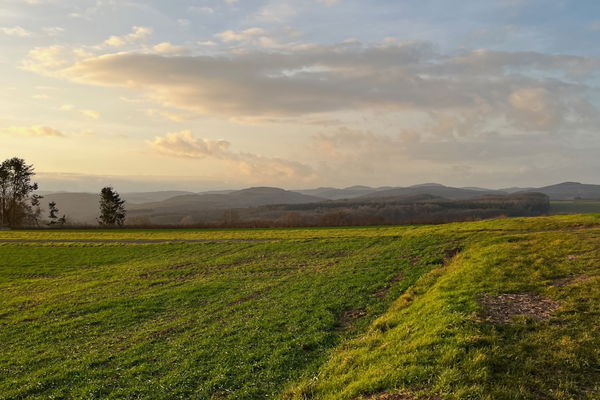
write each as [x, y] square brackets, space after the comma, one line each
[348, 317]
[450, 254]
[502, 308]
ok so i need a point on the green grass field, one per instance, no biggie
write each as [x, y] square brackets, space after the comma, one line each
[344, 313]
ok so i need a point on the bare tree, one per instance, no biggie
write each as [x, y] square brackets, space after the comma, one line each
[16, 192]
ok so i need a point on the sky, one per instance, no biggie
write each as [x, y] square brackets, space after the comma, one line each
[220, 94]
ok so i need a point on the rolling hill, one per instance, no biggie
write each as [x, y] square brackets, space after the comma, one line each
[432, 189]
[209, 207]
[170, 207]
[331, 193]
[571, 191]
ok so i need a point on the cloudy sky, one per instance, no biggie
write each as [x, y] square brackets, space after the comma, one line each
[207, 94]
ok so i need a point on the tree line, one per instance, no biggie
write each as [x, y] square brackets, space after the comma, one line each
[20, 206]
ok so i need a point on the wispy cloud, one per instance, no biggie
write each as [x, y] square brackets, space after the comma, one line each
[15, 31]
[254, 167]
[91, 114]
[137, 34]
[34, 131]
[493, 87]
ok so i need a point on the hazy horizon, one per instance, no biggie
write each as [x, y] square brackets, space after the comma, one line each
[224, 94]
[131, 186]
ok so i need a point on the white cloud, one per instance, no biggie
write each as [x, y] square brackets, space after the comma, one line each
[315, 80]
[53, 30]
[254, 168]
[16, 31]
[137, 34]
[247, 34]
[184, 144]
[168, 48]
[535, 108]
[47, 59]
[91, 114]
[34, 131]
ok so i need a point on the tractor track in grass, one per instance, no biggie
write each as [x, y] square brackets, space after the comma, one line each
[135, 241]
[573, 229]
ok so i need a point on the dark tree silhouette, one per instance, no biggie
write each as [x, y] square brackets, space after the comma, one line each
[52, 213]
[36, 211]
[16, 192]
[112, 208]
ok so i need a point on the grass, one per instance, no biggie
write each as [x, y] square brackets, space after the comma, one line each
[322, 313]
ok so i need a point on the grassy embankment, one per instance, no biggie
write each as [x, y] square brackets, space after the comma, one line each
[302, 313]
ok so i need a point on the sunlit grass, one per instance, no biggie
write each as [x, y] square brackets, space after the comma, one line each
[242, 318]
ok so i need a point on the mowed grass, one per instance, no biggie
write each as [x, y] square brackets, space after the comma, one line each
[324, 313]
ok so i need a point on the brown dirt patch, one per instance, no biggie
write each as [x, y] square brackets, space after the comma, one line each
[502, 308]
[570, 280]
[450, 254]
[348, 317]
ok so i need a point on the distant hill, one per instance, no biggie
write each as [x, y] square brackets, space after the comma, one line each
[251, 197]
[171, 207]
[211, 206]
[438, 190]
[338, 194]
[149, 197]
[78, 207]
[518, 189]
[570, 191]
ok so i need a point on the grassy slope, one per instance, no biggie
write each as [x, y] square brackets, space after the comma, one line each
[237, 318]
[431, 341]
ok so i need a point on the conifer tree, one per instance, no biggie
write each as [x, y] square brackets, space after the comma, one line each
[112, 208]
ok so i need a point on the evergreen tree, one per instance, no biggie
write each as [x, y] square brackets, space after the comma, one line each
[112, 208]
[52, 213]
[36, 211]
